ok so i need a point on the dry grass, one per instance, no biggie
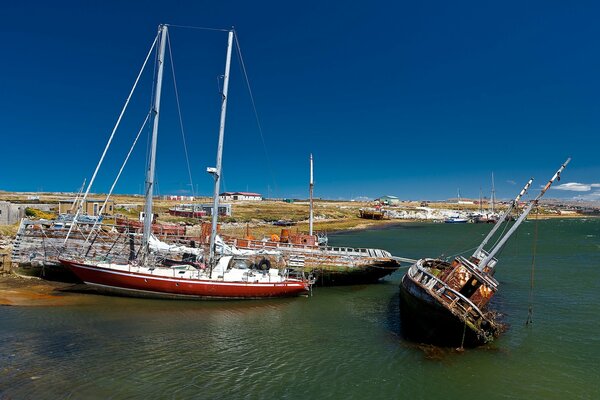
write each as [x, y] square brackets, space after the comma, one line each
[9, 230]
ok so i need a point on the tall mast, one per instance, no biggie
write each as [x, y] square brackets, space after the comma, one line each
[310, 193]
[503, 217]
[493, 195]
[151, 165]
[217, 170]
[522, 217]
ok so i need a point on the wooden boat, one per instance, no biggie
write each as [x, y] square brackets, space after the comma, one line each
[218, 276]
[371, 213]
[445, 303]
[329, 265]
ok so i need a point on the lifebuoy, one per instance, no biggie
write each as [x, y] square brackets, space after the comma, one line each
[264, 265]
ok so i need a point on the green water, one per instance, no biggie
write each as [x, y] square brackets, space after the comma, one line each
[341, 343]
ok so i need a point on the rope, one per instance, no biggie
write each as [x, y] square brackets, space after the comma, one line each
[535, 238]
[260, 130]
[110, 192]
[462, 343]
[187, 159]
[198, 28]
[460, 253]
[112, 135]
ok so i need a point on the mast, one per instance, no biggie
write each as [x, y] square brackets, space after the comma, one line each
[493, 195]
[151, 165]
[522, 217]
[502, 218]
[216, 171]
[310, 193]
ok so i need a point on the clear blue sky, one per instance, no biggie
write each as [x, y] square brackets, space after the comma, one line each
[414, 99]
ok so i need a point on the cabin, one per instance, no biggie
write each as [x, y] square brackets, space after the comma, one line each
[389, 200]
[91, 207]
[235, 196]
[11, 213]
[224, 209]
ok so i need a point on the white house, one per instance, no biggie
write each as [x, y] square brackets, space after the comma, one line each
[232, 196]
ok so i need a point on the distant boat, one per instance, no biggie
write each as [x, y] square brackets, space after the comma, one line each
[243, 275]
[445, 303]
[456, 220]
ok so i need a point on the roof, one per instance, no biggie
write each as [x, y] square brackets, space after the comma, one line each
[241, 193]
[389, 197]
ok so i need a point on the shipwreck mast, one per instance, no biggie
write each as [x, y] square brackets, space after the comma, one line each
[522, 217]
[493, 195]
[216, 171]
[502, 218]
[310, 193]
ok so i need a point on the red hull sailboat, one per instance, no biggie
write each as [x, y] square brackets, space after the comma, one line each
[182, 283]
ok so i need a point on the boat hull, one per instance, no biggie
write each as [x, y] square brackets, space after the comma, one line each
[49, 271]
[147, 285]
[425, 320]
[356, 275]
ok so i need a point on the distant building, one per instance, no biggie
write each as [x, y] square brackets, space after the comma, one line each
[11, 213]
[233, 196]
[91, 207]
[389, 200]
[179, 198]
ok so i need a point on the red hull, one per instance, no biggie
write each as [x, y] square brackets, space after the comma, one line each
[147, 285]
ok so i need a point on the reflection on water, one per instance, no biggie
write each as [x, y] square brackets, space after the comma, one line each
[342, 342]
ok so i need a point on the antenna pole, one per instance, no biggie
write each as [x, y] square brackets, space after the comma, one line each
[310, 193]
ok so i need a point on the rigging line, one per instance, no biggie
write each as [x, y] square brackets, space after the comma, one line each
[499, 237]
[532, 275]
[119, 174]
[202, 28]
[110, 139]
[462, 252]
[187, 159]
[260, 130]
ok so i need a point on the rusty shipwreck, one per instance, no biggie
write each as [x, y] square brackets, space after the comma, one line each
[446, 302]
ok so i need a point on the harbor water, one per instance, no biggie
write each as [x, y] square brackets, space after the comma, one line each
[343, 342]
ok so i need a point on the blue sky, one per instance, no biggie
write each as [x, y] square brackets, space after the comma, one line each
[413, 99]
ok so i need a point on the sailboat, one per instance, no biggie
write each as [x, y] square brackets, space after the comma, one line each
[445, 303]
[456, 218]
[227, 273]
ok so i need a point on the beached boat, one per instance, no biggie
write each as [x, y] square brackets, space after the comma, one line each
[372, 213]
[187, 211]
[244, 275]
[330, 265]
[445, 302]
